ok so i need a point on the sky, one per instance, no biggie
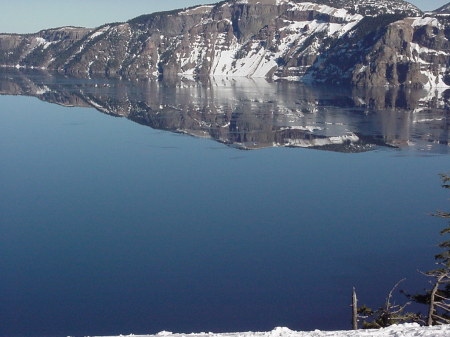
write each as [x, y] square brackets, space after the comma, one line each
[29, 16]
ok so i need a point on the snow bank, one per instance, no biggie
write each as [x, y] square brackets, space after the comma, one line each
[404, 330]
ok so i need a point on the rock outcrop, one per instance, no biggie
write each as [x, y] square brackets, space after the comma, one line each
[358, 42]
[443, 9]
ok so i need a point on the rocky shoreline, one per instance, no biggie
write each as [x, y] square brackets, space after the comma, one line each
[355, 42]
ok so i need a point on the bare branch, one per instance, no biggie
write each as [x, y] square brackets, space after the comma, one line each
[388, 299]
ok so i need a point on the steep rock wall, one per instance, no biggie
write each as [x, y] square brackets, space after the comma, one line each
[364, 43]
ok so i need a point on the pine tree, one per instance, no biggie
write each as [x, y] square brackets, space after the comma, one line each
[391, 313]
[438, 297]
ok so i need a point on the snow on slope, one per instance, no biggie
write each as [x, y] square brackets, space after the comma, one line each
[259, 61]
[294, 40]
[404, 330]
[443, 9]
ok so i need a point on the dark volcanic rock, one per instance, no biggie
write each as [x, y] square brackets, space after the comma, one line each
[443, 9]
[360, 42]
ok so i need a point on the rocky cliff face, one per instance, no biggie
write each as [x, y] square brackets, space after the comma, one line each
[443, 9]
[360, 42]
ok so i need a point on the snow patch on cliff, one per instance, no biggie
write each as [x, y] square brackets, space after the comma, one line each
[423, 21]
[206, 9]
[229, 57]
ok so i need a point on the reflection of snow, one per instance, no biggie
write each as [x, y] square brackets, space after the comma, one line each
[255, 113]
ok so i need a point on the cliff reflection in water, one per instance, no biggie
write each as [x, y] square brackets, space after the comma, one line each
[253, 114]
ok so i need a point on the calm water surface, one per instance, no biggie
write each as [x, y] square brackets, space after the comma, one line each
[108, 226]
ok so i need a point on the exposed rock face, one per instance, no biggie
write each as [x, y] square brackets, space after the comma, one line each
[443, 9]
[359, 42]
[249, 114]
[413, 52]
[39, 49]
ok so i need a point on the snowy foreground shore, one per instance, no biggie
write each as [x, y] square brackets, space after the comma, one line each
[404, 330]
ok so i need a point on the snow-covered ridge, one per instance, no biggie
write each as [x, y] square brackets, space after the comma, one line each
[197, 10]
[372, 7]
[364, 7]
[443, 9]
[259, 61]
[405, 330]
[325, 9]
[309, 41]
[422, 21]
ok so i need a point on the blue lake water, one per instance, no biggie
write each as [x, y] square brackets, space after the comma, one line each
[108, 226]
